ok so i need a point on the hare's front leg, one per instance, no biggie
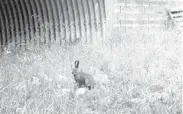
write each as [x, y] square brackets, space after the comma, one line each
[76, 86]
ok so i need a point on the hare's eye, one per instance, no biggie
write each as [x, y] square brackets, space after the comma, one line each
[74, 71]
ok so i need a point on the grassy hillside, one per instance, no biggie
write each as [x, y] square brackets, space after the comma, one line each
[136, 74]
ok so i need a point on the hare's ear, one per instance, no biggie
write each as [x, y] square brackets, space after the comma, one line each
[76, 63]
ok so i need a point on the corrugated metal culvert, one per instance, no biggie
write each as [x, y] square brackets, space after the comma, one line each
[50, 21]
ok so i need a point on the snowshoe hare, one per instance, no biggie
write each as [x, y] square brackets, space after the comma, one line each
[83, 79]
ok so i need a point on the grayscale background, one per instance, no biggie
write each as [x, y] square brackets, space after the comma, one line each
[130, 51]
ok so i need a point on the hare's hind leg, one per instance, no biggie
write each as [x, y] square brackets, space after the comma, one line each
[91, 87]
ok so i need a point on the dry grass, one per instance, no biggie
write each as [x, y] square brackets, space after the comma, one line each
[143, 77]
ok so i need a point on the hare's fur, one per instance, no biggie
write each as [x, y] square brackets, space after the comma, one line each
[83, 79]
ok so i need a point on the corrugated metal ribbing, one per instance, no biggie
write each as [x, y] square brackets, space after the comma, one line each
[31, 22]
[20, 22]
[26, 22]
[4, 27]
[86, 13]
[62, 22]
[78, 19]
[1, 31]
[8, 21]
[15, 21]
[36, 25]
[23, 21]
[40, 19]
